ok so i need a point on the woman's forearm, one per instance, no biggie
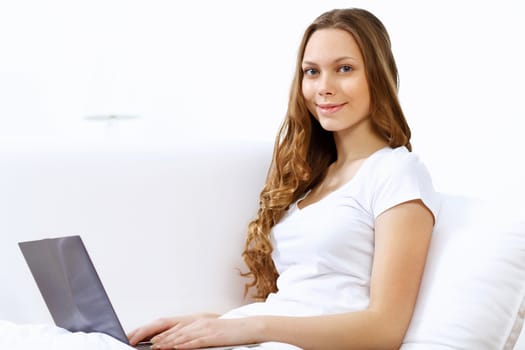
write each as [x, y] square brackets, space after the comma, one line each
[357, 330]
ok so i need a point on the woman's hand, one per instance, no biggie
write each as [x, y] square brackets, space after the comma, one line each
[206, 332]
[163, 326]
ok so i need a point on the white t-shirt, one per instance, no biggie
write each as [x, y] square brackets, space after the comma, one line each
[324, 252]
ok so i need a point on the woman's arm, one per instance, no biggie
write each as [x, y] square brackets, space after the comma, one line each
[402, 236]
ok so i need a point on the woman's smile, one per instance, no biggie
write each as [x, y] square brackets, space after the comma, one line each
[329, 108]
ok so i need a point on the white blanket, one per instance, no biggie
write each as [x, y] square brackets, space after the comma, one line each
[47, 337]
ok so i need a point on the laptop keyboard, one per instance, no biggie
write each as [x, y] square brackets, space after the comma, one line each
[143, 346]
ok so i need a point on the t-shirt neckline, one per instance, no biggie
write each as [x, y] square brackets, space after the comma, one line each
[343, 186]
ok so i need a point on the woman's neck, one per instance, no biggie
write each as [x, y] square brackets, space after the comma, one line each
[357, 143]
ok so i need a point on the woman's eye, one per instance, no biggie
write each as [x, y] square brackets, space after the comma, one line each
[310, 71]
[345, 69]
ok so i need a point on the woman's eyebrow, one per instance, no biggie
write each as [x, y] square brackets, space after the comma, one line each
[337, 60]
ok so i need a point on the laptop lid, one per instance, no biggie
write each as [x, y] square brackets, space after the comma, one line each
[71, 287]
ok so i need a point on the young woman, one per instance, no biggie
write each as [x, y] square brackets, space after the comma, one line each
[338, 246]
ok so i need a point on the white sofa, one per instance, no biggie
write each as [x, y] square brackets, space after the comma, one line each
[165, 230]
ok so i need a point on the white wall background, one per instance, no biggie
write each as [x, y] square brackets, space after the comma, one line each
[222, 69]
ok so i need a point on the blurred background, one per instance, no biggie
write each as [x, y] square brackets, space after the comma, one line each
[128, 74]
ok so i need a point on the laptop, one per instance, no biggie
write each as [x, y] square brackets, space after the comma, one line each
[72, 289]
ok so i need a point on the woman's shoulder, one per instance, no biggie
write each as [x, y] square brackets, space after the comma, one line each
[393, 176]
[392, 160]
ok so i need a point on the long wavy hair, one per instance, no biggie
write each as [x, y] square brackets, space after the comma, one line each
[303, 150]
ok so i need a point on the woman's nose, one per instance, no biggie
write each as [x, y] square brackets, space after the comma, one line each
[325, 86]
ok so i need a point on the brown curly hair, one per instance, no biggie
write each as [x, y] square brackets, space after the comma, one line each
[303, 150]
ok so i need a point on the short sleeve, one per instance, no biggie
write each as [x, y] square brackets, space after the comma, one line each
[400, 179]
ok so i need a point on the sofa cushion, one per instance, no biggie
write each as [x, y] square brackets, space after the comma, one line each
[473, 290]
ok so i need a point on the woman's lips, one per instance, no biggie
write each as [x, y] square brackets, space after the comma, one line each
[327, 109]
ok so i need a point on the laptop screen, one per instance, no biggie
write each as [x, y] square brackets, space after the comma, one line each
[70, 286]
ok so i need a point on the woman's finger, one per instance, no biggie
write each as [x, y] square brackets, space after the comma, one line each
[200, 333]
[150, 330]
[163, 335]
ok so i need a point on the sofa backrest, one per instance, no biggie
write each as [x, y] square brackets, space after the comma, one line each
[165, 229]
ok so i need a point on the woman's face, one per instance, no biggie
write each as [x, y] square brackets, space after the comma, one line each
[334, 84]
